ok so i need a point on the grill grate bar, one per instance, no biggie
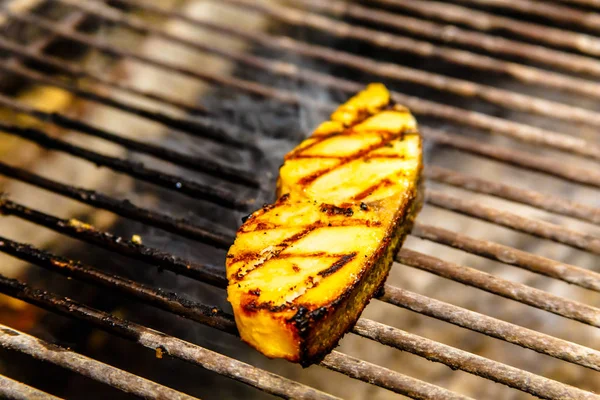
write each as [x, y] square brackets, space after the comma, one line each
[527, 74]
[101, 45]
[223, 365]
[511, 290]
[194, 126]
[70, 22]
[568, 273]
[164, 300]
[493, 44]
[493, 327]
[383, 377]
[191, 188]
[152, 339]
[13, 390]
[213, 317]
[123, 208]
[32, 53]
[540, 229]
[511, 156]
[89, 234]
[553, 12]
[523, 196]
[488, 22]
[453, 34]
[181, 227]
[515, 130]
[14, 340]
[455, 358]
[508, 255]
[590, 3]
[181, 185]
[175, 157]
[514, 157]
[460, 87]
[513, 377]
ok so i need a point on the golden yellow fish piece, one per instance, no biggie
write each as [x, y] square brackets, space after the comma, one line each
[302, 269]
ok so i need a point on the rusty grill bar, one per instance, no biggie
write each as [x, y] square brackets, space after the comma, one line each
[207, 126]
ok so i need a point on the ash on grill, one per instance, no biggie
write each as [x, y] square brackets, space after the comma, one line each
[209, 97]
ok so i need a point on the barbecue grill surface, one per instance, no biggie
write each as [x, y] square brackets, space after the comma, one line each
[138, 134]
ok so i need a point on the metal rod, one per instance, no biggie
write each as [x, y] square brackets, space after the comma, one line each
[168, 301]
[200, 164]
[177, 348]
[537, 228]
[538, 342]
[14, 340]
[496, 328]
[211, 317]
[569, 273]
[196, 126]
[71, 22]
[218, 363]
[589, 3]
[458, 359]
[107, 48]
[513, 156]
[123, 208]
[570, 62]
[396, 42]
[76, 71]
[453, 34]
[553, 12]
[511, 290]
[524, 73]
[388, 70]
[455, 358]
[137, 251]
[481, 121]
[524, 196]
[489, 22]
[504, 98]
[187, 187]
[14, 390]
[384, 377]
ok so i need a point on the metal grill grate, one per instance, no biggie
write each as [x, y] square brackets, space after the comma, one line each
[582, 155]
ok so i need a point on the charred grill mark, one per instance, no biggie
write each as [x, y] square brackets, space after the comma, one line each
[347, 159]
[371, 189]
[324, 156]
[250, 305]
[319, 224]
[362, 115]
[337, 265]
[277, 249]
[386, 156]
[318, 139]
[321, 254]
[330, 209]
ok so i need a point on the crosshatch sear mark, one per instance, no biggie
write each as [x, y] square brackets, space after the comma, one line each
[277, 249]
[345, 259]
[347, 159]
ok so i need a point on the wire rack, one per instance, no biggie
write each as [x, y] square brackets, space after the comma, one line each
[554, 51]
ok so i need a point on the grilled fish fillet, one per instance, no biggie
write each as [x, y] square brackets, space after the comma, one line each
[301, 270]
